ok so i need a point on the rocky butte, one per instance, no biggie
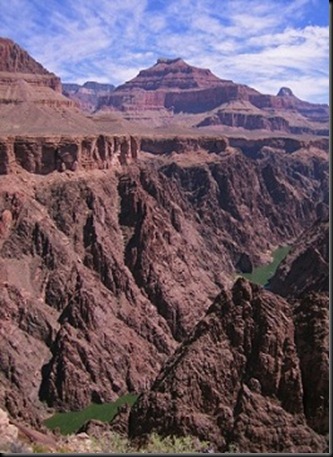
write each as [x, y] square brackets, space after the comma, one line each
[121, 239]
[172, 85]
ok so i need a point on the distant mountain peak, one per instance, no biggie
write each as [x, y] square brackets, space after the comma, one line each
[285, 92]
[172, 74]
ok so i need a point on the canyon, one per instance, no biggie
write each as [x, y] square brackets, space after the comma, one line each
[255, 363]
[121, 240]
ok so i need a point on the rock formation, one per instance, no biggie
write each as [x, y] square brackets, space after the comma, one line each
[31, 102]
[305, 269]
[240, 113]
[17, 65]
[303, 277]
[174, 85]
[8, 432]
[235, 381]
[87, 96]
[96, 267]
[45, 154]
[253, 362]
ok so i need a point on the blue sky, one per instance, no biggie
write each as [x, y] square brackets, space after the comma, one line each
[263, 43]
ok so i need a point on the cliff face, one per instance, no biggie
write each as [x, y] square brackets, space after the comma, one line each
[233, 380]
[253, 362]
[43, 155]
[305, 269]
[75, 327]
[303, 277]
[15, 64]
[173, 74]
[96, 265]
[177, 86]
[285, 99]
[284, 113]
[14, 59]
[30, 97]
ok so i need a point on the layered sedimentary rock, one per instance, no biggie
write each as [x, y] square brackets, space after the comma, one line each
[241, 113]
[174, 85]
[87, 96]
[31, 100]
[285, 99]
[15, 60]
[43, 155]
[113, 245]
[16, 65]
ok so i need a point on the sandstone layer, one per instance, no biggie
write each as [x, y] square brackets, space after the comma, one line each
[45, 154]
[32, 103]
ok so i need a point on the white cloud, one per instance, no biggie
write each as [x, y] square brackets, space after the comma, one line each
[262, 43]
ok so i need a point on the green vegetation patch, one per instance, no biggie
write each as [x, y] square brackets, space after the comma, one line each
[70, 422]
[155, 444]
[262, 274]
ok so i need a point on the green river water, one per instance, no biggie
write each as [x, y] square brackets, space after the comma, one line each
[263, 273]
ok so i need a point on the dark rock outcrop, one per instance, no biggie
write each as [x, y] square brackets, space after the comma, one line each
[102, 272]
[235, 381]
[74, 325]
[305, 269]
[244, 264]
[285, 92]
[219, 383]
[303, 277]
[311, 319]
